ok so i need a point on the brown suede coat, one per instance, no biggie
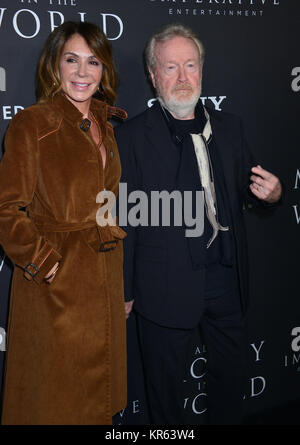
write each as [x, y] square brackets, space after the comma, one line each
[66, 360]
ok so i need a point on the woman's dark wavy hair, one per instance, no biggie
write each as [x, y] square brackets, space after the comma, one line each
[48, 75]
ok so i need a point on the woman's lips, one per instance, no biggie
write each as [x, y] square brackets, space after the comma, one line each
[80, 85]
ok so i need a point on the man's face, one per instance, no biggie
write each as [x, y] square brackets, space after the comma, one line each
[178, 74]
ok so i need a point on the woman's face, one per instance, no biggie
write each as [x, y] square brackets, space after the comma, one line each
[80, 71]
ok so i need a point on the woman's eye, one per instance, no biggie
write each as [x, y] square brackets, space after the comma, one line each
[70, 60]
[94, 62]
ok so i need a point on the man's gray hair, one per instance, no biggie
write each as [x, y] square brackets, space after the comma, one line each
[166, 33]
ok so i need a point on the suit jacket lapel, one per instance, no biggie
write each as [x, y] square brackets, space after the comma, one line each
[223, 142]
[158, 134]
[225, 145]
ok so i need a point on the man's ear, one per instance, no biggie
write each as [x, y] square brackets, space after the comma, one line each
[152, 77]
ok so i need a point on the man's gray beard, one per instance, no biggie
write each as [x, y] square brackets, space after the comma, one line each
[180, 108]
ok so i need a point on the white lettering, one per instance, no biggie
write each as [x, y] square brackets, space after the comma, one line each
[2, 14]
[82, 14]
[165, 198]
[2, 340]
[217, 102]
[136, 406]
[198, 221]
[121, 413]
[65, 2]
[296, 341]
[296, 82]
[296, 359]
[296, 213]
[151, 102]
[193, 374]
[2, 262]
[17, 108]
[201, 395]
[138, 215]
[37, 24]
[104, 16]
[103, 215]
[122, 201]
[257, 350]
[2, 79]
[263, 386]
[214, 100]
[7, 111]
[297, 178]
[52, 24]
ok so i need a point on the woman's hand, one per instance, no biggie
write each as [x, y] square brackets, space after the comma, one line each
[128, 307]
[50, 276]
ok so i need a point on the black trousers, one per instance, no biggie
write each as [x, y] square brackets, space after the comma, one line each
[166, 353]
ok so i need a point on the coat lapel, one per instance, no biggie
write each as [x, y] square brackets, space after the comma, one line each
[224, 145]
[158, 135]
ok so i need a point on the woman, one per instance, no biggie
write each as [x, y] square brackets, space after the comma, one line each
[66, 339]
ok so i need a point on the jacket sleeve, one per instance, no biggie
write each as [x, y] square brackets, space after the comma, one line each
[18, 178]
[128, 182]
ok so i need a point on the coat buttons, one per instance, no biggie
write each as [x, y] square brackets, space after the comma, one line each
[111, 154]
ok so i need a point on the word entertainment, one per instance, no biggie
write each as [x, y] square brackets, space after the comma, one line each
[215, 12]
[237, 8]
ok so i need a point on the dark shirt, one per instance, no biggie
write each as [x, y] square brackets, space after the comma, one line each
[220, 274]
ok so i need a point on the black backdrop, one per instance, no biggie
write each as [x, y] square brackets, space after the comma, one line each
[252, 68]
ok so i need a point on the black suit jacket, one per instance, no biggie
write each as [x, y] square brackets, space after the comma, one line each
[157, 267]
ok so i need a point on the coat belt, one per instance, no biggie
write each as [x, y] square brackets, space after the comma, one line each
[108, 235]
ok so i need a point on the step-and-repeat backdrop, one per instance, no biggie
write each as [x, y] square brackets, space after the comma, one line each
[252, 68]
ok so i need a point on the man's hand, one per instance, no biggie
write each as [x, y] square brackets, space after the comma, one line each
[265, 185]
[128, 307]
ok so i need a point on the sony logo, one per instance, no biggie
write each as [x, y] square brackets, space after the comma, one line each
[216, 101]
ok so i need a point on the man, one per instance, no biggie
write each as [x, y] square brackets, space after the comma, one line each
[179, 283]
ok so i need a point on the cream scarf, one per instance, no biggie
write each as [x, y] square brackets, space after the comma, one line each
[201, 142]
